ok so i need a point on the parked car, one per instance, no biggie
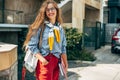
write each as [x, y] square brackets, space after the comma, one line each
[115, 44]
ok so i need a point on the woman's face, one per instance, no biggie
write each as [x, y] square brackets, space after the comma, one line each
[51, 12]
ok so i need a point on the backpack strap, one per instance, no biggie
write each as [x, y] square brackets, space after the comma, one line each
[41, 33]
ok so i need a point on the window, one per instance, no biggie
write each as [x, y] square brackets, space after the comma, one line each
[118, 33]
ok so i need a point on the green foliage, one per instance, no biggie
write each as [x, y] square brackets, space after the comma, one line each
[74, 46]
[87, 56]
[73, 37]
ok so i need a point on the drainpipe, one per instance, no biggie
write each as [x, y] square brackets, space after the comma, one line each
[3, 7]
[102, 25]
[101, 13]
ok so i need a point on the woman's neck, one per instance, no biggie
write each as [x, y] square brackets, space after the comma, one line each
[52, 21]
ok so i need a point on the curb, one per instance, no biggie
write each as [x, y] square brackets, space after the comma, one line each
[81, 62]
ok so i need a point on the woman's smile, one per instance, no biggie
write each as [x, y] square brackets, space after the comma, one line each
[51, 14]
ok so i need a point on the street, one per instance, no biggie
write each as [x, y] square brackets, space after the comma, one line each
[106, 67]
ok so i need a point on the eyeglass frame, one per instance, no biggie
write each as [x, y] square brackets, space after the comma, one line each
[50, 9]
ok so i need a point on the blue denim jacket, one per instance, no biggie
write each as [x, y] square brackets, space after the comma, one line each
[58, 48]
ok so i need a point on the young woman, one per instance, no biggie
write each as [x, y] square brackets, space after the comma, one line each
[53, 41]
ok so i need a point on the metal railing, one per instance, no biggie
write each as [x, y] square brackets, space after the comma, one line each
[95, 34]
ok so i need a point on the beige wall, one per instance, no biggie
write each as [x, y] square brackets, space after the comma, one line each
[93, 3]
[67, 16]
[28, 6]
[92, 15]
[67, 12]
[68, 25]
[79, 13]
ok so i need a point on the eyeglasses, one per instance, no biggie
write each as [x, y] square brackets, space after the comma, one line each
[50, 9]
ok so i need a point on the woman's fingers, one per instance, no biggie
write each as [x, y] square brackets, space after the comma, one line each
[44, 62]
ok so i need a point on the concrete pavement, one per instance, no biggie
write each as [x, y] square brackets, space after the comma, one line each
[106, 67]
[98, 72]
[105, 56]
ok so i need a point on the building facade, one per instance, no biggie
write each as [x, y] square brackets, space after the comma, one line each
[75, 12]
[105, 11]
[114, 11]
[18, 11]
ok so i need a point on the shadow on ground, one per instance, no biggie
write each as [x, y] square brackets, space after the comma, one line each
[30, 76]
[75, 64]
[72, 64]
[76, 76]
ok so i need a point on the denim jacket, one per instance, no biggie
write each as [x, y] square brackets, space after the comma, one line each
[58, 48]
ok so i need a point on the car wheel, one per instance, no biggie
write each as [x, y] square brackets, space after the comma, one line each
[112, 50]
[117, 50]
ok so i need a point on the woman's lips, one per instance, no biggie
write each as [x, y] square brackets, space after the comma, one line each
[51, 14]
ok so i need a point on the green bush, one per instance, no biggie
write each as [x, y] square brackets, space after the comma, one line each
[75, 51]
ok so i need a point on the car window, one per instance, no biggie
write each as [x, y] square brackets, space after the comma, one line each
[118, 33]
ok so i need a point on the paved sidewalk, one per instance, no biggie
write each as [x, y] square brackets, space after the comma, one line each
[98, 72]
[106, 67]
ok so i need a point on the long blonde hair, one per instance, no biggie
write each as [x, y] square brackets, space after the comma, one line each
[41, 18]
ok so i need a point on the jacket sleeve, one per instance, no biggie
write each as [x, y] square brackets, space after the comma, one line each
[64, 44]
[34, 41]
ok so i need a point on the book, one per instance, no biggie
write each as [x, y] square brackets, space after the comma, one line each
[62, 69]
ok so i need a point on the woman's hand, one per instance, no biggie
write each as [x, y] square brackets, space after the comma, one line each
[66, 67]
[65, 64]
[64, 61]
[42, 59]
